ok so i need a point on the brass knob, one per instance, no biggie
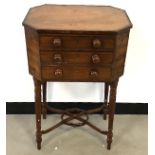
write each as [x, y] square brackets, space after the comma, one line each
[95, 58]
[96, 43]
[57, 42]
[93, 73]
[58, 72]
[57, 58]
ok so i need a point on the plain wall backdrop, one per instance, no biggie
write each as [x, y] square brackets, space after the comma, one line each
[17, 84]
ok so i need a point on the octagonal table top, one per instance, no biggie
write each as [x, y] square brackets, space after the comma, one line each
[77, 18]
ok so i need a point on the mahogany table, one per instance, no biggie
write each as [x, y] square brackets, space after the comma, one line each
[76, 43]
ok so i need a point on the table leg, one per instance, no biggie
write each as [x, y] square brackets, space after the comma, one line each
[111, 111]
[106, 90]
[44, 109]
[37, 85]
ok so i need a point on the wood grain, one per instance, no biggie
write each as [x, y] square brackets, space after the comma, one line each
[76, 17]
[77, 42]
[76, 73]
[75, 58]
[33, 52]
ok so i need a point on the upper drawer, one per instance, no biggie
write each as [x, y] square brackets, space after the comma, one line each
[77, 42]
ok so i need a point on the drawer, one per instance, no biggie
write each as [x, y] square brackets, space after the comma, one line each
[58, 58]
[76, 73]
[76, 42]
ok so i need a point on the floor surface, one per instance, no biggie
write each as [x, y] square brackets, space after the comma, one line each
[130, 136]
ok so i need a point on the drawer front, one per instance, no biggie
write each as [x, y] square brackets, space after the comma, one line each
[62, 58]
[76, 73]
[76, 42]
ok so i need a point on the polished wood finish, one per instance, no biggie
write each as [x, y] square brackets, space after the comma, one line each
[79, 18]
[75, 73]
[82, 58]
[76, 44]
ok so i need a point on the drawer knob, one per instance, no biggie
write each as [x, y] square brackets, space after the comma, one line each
[96, 43]
[58, 72]
[57, 58]
[93, 73]
[57, 42]
[96, 59]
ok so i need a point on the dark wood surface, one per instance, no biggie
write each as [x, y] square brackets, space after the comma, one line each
[76, 43]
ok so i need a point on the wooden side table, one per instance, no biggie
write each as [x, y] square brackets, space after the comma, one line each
[76, 43]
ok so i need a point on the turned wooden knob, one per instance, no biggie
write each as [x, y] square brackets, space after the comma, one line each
[96, 43]
[57, 42]
[57, 58]
[93, 73]
[95, 58]
[58, 72]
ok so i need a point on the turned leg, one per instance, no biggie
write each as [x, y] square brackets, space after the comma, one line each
[44, 109]
[37, 85]
[106, 90]
[111, 111]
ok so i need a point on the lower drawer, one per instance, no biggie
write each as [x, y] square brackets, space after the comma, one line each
[76, 73]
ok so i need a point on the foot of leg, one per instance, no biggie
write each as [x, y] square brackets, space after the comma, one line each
[109, 140]
[38, 140]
